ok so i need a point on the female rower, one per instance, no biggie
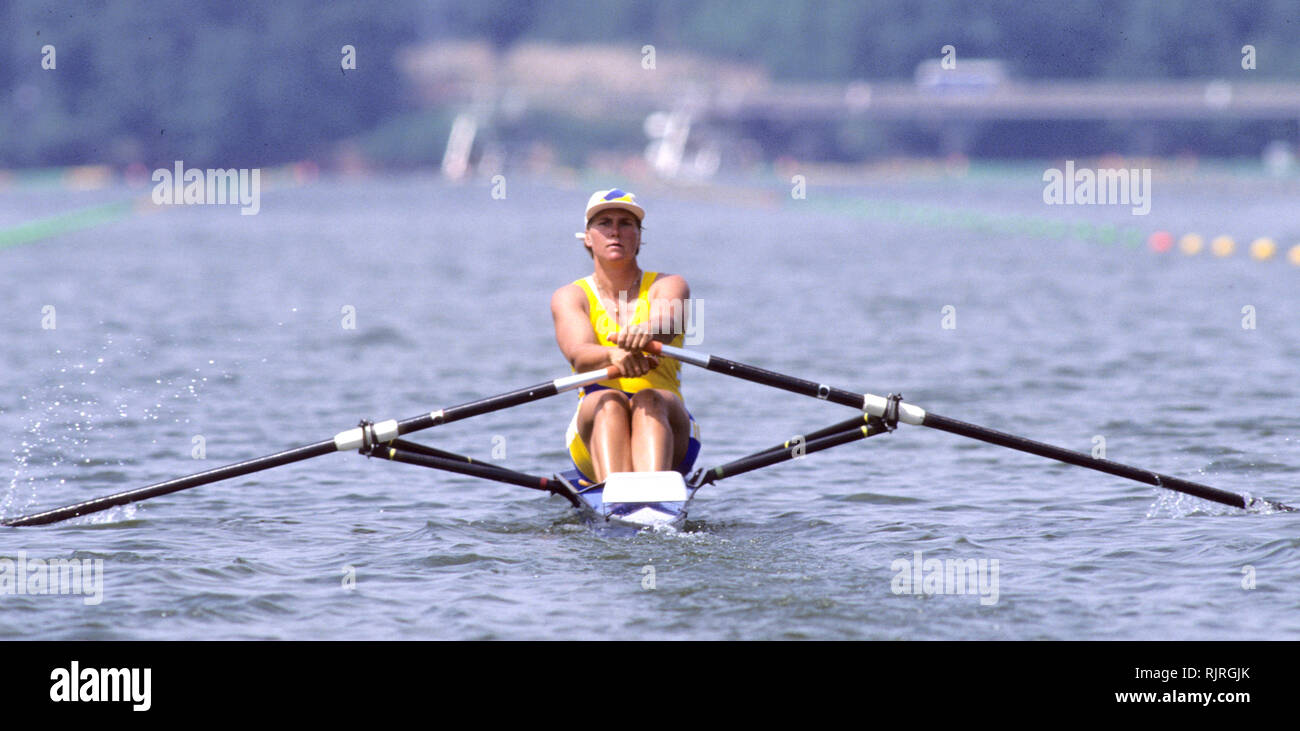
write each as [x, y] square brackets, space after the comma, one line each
[638, 422]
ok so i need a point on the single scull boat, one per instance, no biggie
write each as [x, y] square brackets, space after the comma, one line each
[644, 500]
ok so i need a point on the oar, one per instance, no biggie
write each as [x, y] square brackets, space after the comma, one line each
[912, 414]
[357, 438]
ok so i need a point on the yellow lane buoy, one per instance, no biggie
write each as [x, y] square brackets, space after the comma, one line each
[1223, 246]
[1263, 248]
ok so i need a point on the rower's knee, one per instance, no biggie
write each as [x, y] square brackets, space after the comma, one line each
[650, 399]
[610, 403]
[603, 407]
[605, 399]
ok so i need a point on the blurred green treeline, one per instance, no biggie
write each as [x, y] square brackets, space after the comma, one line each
[248, 83]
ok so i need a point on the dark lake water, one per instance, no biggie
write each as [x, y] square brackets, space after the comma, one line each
[199, 322]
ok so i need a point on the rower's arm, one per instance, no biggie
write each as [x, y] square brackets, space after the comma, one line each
[573, 331]
[670, 299]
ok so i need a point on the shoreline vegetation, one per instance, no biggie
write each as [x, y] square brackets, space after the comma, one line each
[268, 85]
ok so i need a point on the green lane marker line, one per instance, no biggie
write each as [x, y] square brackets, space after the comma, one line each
[61, 223]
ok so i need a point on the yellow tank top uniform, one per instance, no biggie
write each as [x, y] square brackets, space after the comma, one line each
[668, 373]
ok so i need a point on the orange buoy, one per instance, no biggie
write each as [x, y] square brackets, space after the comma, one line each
[1191, 244]
[1223, 246]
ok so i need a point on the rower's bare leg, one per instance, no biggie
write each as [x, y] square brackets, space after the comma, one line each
[661, 430]
[605, 425]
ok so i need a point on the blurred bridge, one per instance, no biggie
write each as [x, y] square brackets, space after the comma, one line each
[1019, 100]
[903, 101]
[691, 98]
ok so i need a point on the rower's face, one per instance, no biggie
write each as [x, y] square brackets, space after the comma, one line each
[614, 234]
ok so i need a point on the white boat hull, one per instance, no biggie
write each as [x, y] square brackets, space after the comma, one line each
[637, 500]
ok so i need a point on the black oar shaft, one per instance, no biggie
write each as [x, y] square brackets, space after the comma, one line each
[788, 383]
[475, 408]
[170, 486]
[992, 436]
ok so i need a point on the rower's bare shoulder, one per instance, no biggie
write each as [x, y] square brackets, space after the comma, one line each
[568, 298]
[670, 286]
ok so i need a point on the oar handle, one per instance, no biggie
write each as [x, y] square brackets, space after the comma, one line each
[657, 348]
